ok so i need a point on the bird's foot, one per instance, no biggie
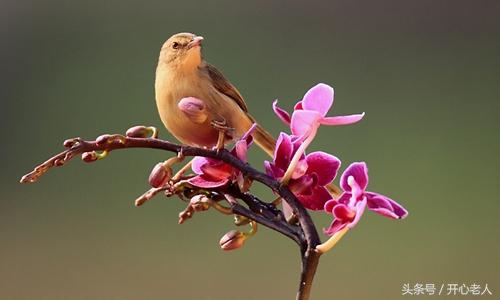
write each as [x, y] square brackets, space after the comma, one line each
[224, 132]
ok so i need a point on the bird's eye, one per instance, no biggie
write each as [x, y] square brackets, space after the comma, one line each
[175, 45]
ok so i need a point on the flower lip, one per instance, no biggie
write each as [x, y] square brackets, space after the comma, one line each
[343, 212]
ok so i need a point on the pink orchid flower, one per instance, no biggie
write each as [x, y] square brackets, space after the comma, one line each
[311, 174]
[350, 206]
[212, 173]
[311, 111]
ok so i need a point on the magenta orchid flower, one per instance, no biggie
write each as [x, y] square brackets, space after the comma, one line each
[311, 111]
[349, 207]
[212, 173]
[311, 174]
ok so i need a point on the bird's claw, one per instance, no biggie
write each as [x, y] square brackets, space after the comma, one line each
[224, 131]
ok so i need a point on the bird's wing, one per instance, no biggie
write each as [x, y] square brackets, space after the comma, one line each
[225, 87]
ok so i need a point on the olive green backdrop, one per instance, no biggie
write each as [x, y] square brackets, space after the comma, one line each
[427, 74]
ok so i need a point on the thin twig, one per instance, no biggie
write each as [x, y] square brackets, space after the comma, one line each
[307, 242]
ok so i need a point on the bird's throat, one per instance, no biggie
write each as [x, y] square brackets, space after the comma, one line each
[192, 59]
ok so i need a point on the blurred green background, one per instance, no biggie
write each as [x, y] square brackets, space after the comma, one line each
[427, 73]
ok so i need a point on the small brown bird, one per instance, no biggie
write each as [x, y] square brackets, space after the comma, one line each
[196, 102]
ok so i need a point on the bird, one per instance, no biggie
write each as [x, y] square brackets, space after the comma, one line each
[195, 101]
[198, 105]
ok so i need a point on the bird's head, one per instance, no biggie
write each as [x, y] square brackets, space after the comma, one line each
[182, 50]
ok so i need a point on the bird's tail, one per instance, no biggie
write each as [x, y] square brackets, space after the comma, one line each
[265, 140]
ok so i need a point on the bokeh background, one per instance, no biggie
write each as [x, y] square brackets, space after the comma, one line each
[427, 73]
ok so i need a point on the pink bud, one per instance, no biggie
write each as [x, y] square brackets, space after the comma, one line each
[186, 214]
[70, 142]
[200, 203]
[138, 132]
[59, 162]
[194, 109]
[232, 240]
[89, 156]
[160, 175]
[102, 139]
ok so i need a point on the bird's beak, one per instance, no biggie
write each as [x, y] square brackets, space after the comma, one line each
[195, 42]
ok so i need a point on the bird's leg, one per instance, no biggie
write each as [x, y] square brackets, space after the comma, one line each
[224, 131]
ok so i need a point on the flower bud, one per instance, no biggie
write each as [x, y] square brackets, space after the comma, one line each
[70, 142]
[185, 214]
[139, 132]
[234, 239]
[102, 139]
[89, 156]
[59, 162]
[160, 175]
[200, 203]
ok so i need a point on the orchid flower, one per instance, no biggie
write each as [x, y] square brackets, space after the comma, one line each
[349, 207]
[311, 111]
[308, 115]
[312, 173]
[212, 173]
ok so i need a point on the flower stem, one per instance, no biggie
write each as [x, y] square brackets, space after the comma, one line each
[310, 260]
[332, 241]
[305, 235]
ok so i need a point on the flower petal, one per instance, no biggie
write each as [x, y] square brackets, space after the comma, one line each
[204, 182]
[300, 169]
[319, 98]
[344, 198]
[317, 200]
[385, 206]
[329, 205]
[298, 106]
[282, 114]
[359, 171]
[247, 137]
[283, 152]
[240, 150]
[217, 170]
[197, 163]
[335, 227]
[273, 171]
[303, 121]
[324, 165]
[304, 185]
[342, 120]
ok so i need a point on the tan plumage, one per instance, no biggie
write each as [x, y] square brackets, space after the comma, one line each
[182, 73]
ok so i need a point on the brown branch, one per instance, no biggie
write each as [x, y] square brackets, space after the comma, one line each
[272, 224]
[107, 143]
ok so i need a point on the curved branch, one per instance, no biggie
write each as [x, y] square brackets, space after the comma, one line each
[108, 143]
[116, 142]
[274, 225]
